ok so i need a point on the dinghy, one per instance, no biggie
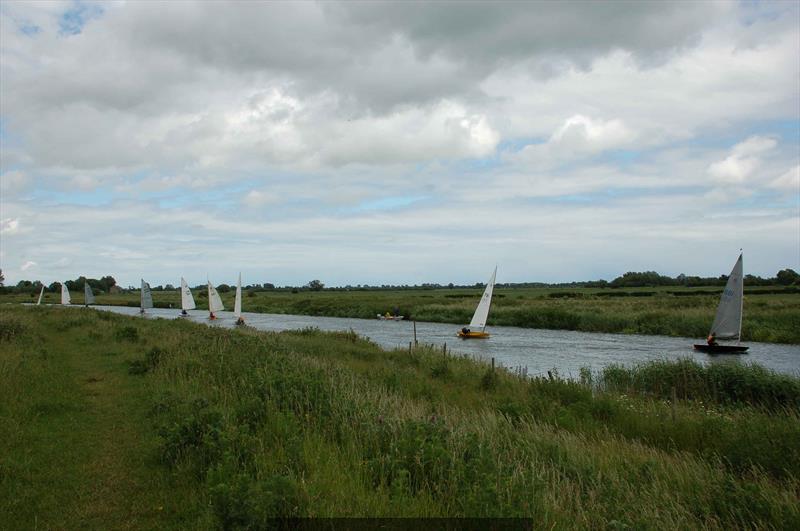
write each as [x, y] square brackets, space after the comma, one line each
[187, 301]
[728, 321]
[214, 302]
[237, 304]
[146, 297]
[65, 299]
[481, 313]
[88, 295]
[39, 302]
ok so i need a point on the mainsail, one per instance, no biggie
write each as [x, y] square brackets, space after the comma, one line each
[482, 311]
[64, 294]
[146, 296]
[728, 321]
[88, 296]
[187, 301]
[38, 302]
[237, 305]
[214, 302]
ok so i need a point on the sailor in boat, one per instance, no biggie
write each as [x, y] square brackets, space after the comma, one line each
[211, 315]
[465, 331]
[712, 340]
[240, 321]
[184, 313]
[141, 311]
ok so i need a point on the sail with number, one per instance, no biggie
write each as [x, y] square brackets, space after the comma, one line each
[88, 296]
[146, 296]
[214, 302]
[38, 302]
[728, 321]
[237, 305]
[482, 311]
[187, 301]
[65, 299]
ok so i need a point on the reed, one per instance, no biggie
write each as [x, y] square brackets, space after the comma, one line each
[247, 426]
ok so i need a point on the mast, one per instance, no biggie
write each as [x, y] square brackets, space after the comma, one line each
[741, 300]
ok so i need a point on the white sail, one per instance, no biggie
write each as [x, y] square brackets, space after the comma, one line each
[38, 302]
[88, 296]
[728, 321]
[482, 311]
[64, 294]
[214, 302]
[237, 305]
[146, 296]
[187, 301]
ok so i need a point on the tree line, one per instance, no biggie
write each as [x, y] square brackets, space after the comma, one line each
[631, 279]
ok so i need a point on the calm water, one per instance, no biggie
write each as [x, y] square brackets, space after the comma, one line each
[538, 350]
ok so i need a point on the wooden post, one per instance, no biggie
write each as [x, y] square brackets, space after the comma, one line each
[415, 333]
[492, 364]
[674, 399]
[444, 349]
[409, 347]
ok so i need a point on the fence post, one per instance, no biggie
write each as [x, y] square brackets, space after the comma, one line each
[444, 349]
[492, 364]
[409, 347]
[415, 333]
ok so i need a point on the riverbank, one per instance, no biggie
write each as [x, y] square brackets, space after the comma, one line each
[770, 315]
[203, 427]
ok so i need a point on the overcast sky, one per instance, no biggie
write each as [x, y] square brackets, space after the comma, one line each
[397, 142]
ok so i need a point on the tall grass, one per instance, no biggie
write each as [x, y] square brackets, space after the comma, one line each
[308, 423]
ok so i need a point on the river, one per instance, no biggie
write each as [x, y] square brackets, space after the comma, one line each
[536, 350]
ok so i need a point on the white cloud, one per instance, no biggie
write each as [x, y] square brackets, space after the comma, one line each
[9, 226]
[27, 265]
[789, 181]
[259, 198]
[744, 160]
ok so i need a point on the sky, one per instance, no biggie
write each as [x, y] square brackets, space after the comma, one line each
[397, 143]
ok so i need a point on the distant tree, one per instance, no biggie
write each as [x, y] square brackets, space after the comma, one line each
[55, 287]
[315, 285]
[223, 288]
[106, 282]
[633, 279]
[169, 287]
[787, 277]
[268, 285]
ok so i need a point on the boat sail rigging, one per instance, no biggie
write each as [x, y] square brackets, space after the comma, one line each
[88, 296]
[481, 313]
[237, 304]
[214, 301]
[728, 320]
[146, 297]
[65, 298]
[187, 301]
[39, 301]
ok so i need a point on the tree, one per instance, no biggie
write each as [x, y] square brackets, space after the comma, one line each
[315, 285]
[787, 277]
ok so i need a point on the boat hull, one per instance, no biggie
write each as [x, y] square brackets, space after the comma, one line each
[473, 335]
[721, 349]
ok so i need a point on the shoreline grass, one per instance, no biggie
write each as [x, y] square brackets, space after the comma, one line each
[768, 316]
[240, 426]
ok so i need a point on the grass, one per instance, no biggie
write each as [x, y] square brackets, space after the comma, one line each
[204, 428]
[770, 315]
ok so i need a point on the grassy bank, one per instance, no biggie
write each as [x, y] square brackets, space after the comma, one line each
[770, 315]
[202, 427]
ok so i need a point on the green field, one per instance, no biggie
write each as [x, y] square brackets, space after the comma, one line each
[770, 314]
[120, 422]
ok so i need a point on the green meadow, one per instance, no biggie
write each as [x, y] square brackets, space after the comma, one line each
[770, 314]
[112, 421]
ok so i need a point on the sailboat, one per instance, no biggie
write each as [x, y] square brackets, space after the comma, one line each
[88, 296]
[237, 305]
[187, 301]
[728, 321]
[39, 302]
[481, 313]
[65, 299]
[214, 302]
[146, 300]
